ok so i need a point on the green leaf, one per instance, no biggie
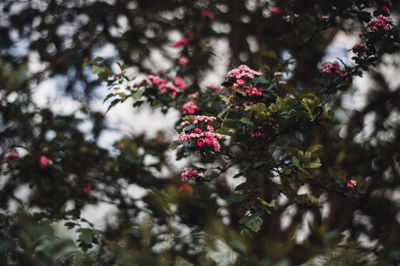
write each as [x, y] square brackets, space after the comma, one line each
[113, 103]
[263, 202]
[270, 54]
[296, 161]
[314, 164]
[257, 164]
[122, 95]
[259, 80]
[314, 200]
[281, 104]
[246, 121]
[189, 127]
[225, 131]
[252, 222]
[311, 105]
[315, 148]
[234, 197]
[108, 97]
[137, 95]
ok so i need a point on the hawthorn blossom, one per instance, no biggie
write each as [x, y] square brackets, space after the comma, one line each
[183, 60]
[164, 88]
[180, 83]
[201, 142]
[201, 137]
[360, 49]
[44, 161]
[380, 22]
[87, 189]
[207, 14]
[12, 155]
[240, 82]
[213, 86]
[254, 91]
[241, 72]
[185, 187]
[194, 95]
[351, 184]
[189, 108]
[275, 11]
[188, 173]
[333, 68]
[386, 10]
[181, 43]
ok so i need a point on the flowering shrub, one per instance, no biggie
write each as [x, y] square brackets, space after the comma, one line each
[270, 152]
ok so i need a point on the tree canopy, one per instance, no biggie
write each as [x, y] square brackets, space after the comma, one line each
[282, 163]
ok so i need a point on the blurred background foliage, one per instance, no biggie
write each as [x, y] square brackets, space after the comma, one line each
[41, 207]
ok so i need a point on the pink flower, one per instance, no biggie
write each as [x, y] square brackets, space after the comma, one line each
[188, 173]
[386, 10]
[201, 142]
[183, 137]
[207, 14]
[12, 155]
[87, 189]
[189, 108]
[212, 86]
[194, 95]
[183, 60]
[275, 11]
[351, 184]
[180, 83]
[209, 141]
[44, 161]
[333, 68]
[278, 73]
[240, 82]
[185, 187]
[180, 43]
[216, 145]
[210, 128]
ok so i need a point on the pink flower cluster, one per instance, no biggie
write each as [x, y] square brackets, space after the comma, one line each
[259, 132]
[254, 91]
[12, 155]
[333, 68]
[215, 87]
[175, 86]
[351, 184]
[360, 50]
[189, 108]
[201, 137]
[188, 173]
[243, 71]
[203, 118]
[380, 22]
